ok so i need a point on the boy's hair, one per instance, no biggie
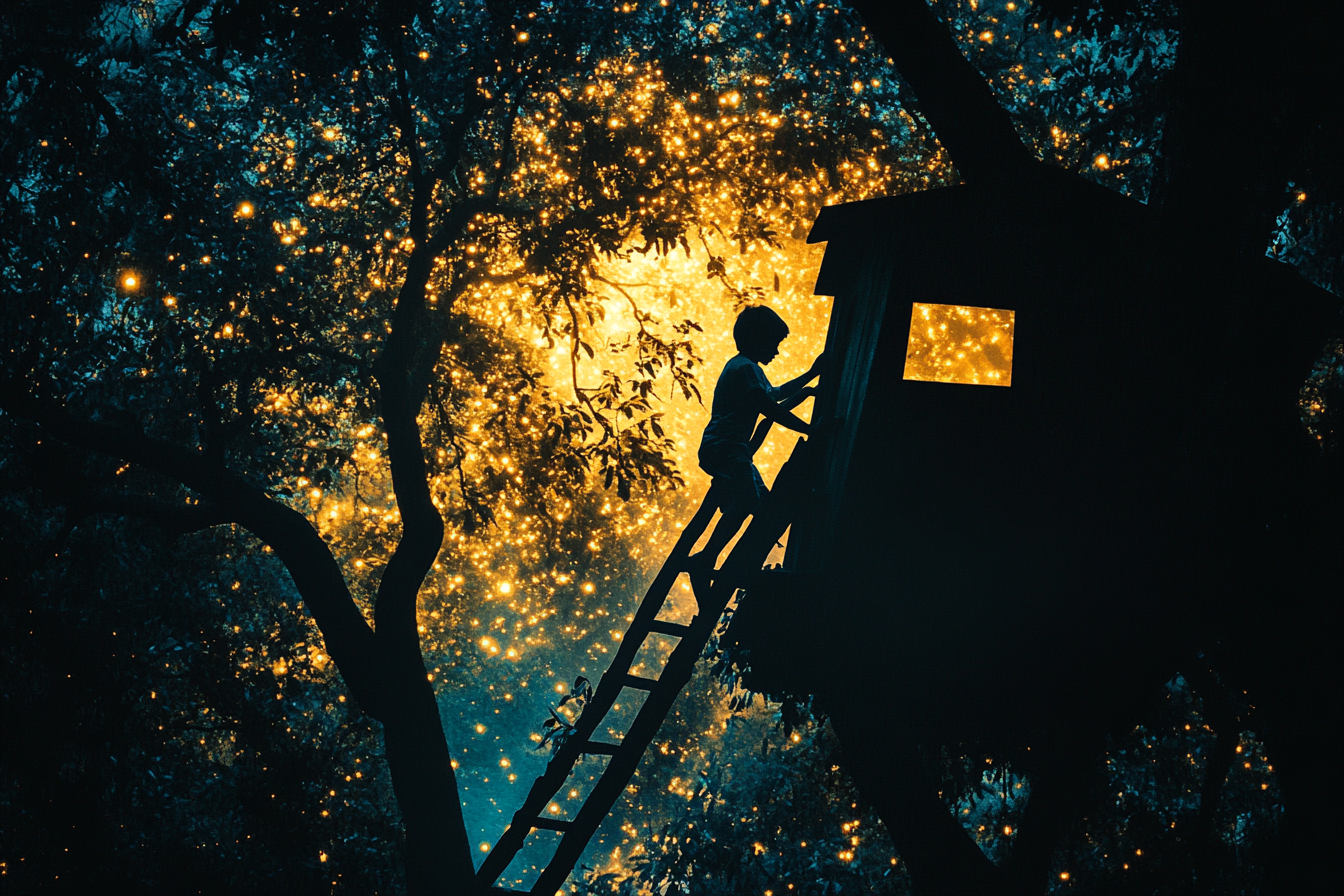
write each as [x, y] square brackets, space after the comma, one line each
[758, 325]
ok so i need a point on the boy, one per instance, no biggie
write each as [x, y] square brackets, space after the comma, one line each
[742, 394]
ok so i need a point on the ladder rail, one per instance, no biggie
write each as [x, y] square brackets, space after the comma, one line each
[604, 697]
[767, 526]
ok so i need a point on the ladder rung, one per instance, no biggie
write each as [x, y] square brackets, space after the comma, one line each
[598, 748]
[643, 684]
[551, 824]
[663, 627]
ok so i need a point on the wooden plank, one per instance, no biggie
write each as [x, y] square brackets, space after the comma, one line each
[599, 748]
[663, 627]
[643, 684]
[851, 344]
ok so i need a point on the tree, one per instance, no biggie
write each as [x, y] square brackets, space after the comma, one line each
[270, 256]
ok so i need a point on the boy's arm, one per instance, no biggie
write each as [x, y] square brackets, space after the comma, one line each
[776, 413]
[763, 427]
[798, 398]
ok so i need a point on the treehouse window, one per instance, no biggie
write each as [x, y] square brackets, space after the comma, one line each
[960, 344]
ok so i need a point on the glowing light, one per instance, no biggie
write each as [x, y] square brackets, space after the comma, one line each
[522, 37]
[169, 301]
[1101, 162]
[1063, 875]
[130, 280]
[960, 344]
[987, 36]
[485, 847]
[505, 587]
[245, 210]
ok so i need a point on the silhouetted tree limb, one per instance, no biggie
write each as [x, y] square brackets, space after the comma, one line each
[316, 575]
[966, 117]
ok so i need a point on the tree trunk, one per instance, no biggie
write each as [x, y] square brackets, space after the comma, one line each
[425, 785]
[941, 856]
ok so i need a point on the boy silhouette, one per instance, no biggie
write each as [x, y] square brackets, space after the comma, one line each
[741, 395]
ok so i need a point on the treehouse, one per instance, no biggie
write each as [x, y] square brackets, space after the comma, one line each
[1069, 458]
[1043, 471]
[1041, 476]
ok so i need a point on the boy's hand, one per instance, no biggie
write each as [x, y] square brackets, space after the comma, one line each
[818, 366]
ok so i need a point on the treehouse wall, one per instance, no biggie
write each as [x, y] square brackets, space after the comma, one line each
[1008, 554]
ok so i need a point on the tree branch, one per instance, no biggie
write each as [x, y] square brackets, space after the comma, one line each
[316, 575]
[949, 92]
[176, 519]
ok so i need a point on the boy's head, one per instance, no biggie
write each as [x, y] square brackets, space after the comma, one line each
[758, 333]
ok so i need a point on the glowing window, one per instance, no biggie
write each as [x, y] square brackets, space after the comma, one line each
[960, 344]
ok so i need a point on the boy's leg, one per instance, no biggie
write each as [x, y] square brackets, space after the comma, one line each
[742, 493]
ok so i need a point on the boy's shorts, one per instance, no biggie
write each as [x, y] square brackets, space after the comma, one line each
[739, 484]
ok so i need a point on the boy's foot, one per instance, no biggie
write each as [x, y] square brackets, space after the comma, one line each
[700, 567]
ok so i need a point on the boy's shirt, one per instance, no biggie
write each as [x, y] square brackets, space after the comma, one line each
[738, 396]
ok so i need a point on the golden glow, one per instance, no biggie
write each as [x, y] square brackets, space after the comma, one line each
[130, 280]
[960, 344]
[541, 619]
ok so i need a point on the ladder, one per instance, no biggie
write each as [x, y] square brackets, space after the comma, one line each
[712, 591]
